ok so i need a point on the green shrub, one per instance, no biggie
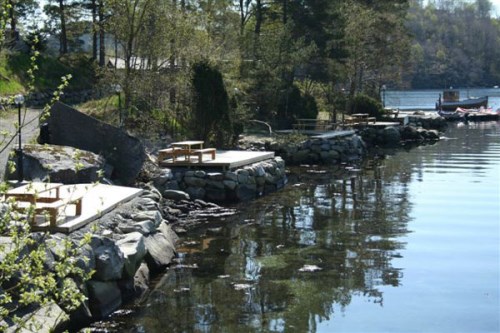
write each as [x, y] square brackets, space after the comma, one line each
[365, 104]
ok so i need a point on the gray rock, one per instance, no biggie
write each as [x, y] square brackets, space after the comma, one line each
[230, 175]
[109, 261]
[215, 176]
[218, 185]
[246, 192]
[195, 181]
[46, 319]
[391, 136]
[152, 215]
[104, 298]
[134, 250]
[259, 171]
[69, 127]
[172, 185]
[147, 204]
[167, 231]
[196, 192]
[216, 195]
[176, 195]
[230, 184]
[160, 250]
[60, 164]
[200, 174]
[141, 280]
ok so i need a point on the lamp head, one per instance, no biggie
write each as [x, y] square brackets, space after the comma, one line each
[19, 99]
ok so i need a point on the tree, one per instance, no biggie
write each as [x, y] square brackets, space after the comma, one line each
[377, 44]
[63, 18]
[212, 121]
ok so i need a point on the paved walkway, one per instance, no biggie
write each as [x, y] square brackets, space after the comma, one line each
[29, 132]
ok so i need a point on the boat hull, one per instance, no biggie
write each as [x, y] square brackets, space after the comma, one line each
[473, 103]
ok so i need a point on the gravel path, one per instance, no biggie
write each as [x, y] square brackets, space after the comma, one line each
[29, 132]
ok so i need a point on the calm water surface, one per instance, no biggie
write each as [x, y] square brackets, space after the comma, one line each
[409, 242]
[426, 99]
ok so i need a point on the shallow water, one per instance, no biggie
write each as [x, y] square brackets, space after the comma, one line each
[407, 242]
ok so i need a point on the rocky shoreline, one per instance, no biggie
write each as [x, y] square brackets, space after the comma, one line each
[138, 239]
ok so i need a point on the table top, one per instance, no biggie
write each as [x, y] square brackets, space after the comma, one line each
[34, 188]
[359, 115]
[187, 143]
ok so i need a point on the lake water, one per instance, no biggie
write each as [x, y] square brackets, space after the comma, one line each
[426, 99]
[405, 242]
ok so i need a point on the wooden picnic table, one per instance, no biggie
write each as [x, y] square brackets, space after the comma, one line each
[362, 118]
[189, 145]
[35, 191]
[187, 149]
[45, 197]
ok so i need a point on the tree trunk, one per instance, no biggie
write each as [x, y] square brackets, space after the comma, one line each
[102, 41]
[63, 47]
[285, 11]
[95, 27]
[258, 24]
[14, 35]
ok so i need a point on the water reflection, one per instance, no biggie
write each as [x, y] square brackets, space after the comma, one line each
[290, 260]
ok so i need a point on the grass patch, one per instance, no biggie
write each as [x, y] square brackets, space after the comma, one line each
[105, 109]
[10, 82]
[14, 65]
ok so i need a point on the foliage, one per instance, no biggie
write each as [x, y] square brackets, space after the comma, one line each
[212, 121]
[29, 276]
[295, 105]
[365, 104]
[455, 43]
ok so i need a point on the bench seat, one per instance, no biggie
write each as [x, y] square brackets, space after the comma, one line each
[173, 152]
[200, 152]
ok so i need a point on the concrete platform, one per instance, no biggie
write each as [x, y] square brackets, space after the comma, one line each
[224, 159]
[98, 199]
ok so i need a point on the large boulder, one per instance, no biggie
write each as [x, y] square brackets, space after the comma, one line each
[60, 164]
[69, 127]
[104, 298]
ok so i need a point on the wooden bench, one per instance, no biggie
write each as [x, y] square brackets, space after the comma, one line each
[200, 152]
[173, 152]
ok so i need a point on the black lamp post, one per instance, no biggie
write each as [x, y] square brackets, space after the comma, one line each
[384, 88]
[118, 91]
[19, 100]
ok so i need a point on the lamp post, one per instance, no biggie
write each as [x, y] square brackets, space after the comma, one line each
[118, 90]
[384, 88]
[19, 100]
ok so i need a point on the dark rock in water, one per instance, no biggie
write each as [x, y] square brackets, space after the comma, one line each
[410, 133]
[175, 195]
[105, 298]
[69, 127]
[141, 280]
[61, 164]
[161, 251]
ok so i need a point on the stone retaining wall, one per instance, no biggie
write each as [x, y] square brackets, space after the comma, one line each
[322, 150]
[130, 244]
[243, 184]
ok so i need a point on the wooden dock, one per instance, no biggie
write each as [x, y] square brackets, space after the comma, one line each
[224, 159]
[97, 199]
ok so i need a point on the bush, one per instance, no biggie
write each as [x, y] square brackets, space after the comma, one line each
[295, 106]
[365, 104]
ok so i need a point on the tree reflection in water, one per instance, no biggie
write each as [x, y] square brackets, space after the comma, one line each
[249, 276]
